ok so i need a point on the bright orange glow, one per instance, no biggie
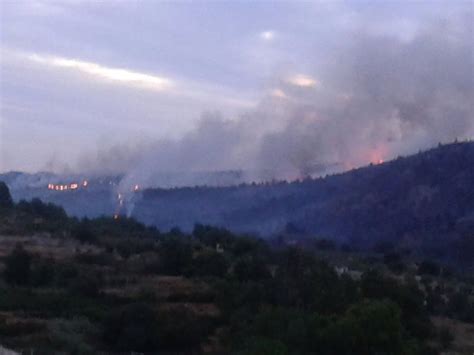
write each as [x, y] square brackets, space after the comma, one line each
[377, 156]
[60, 187]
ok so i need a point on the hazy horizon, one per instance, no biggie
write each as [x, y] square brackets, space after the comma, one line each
[142, 88]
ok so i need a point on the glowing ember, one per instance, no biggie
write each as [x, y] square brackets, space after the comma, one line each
[60, 187]
[377, 156]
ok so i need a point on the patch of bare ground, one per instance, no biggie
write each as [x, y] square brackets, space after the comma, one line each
[46, 246]
[164, 288]
[21, 329]
[198, 309]
[463, 343]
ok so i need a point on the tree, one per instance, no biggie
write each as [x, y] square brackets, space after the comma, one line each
[84, 233]
[132, 328]
[43, 272]
[6, 200]
[210, 263]
[370, 327]
[176, 253]
[181, 329]
[250, 267]
[429, 267]
[18, 266]
[87, 285]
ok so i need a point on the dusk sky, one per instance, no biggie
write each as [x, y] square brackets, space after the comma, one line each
[82, 77]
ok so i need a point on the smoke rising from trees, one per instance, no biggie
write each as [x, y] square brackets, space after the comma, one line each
[376, 96]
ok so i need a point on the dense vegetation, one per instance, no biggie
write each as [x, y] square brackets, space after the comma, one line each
[82, 286]
[424, 202]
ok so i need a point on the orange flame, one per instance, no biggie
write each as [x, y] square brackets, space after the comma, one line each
[377, 156]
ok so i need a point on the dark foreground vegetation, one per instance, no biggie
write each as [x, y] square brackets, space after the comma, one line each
[117, 286]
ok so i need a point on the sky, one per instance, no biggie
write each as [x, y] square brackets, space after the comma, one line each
[286, 87]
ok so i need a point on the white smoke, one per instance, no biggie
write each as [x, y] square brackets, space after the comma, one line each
[380, 96]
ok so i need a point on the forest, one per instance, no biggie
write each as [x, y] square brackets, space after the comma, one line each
[115, 285]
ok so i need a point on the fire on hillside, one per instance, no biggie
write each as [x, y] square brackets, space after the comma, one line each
[67, 187]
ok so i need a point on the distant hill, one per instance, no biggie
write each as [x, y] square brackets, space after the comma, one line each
[427, 197]
[420, 201]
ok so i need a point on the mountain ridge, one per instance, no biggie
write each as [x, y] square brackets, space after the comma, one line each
[420, 201]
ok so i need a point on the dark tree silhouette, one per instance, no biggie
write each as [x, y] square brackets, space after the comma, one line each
[6, 200]
[18, 266]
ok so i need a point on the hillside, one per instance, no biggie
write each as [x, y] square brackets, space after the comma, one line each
[423, 202]
[115, 286]
[424, 198]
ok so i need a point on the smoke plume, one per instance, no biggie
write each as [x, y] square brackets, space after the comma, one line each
[375, 97]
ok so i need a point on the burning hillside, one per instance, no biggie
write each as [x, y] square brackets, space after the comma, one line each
[68, 186]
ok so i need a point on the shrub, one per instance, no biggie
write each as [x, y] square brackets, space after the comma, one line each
[132, 328]
[429, 267]
[445, 337]
[18, 266]
[43, 273]
[87, 285]
[83, 233]
[210, 264]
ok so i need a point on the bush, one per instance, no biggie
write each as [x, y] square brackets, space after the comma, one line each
[86, 285]
[132, 328]
[429, 267]
[210, 264]
[70, 335]
[48, 211]
[83, 233]
[325, 244]
[250, 268]
[18, 266]
[176, 253]
[43, 273]
[181, 329]
[65, 273]
[263, 346]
